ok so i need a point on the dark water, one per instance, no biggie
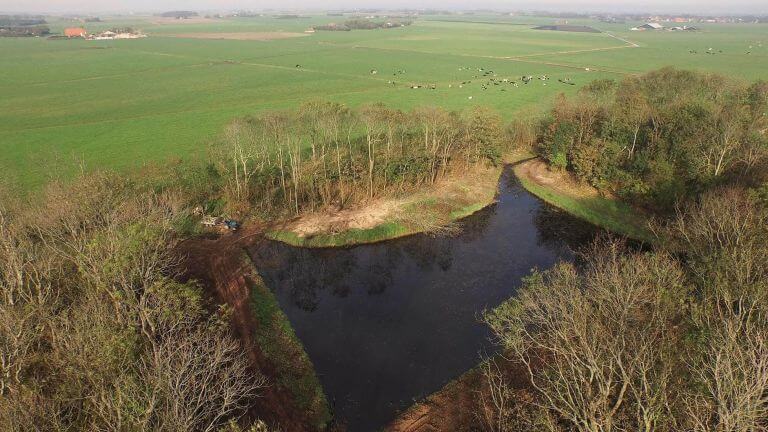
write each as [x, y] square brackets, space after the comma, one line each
[390, 323]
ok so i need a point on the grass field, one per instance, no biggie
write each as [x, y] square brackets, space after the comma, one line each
[69, 104]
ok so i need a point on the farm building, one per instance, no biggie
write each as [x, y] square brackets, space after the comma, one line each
[648, 26]
[74, 32]
[109, 35]
[683, 28]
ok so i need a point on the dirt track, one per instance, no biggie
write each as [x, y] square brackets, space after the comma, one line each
[450, 409]
[457, 406]
[218, 263]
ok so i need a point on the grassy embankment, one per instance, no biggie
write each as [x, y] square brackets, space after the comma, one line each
[585, 203]
[279, 344]
[432, 210]
[385, 231]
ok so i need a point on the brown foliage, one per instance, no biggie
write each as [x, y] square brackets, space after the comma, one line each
[95, 334]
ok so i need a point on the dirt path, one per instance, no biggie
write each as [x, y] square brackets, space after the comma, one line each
[450, 409]
[537, 171]
[570, 52]
[458, 406]
[626, 41]
[218, 264]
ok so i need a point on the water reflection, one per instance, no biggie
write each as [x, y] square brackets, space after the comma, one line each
[389, 323]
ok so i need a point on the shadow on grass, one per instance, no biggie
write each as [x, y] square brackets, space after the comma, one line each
[614, 215]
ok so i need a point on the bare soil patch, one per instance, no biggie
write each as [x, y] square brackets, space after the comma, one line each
[476, 187]
[450, 409]
[457, 406]
[253, 36]
[328, 222]
[537, 171]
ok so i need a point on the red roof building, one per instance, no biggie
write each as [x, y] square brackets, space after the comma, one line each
[74, 32]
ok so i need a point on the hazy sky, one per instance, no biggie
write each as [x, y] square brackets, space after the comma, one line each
[690, 6]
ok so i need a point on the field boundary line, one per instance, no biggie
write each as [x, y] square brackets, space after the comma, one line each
[572, 51]
[626, 41]
[510, 58]
[572, 66]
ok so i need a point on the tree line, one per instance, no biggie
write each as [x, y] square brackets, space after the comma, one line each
[363, 24]
[21, 20]
[661, 137]
[326, 155]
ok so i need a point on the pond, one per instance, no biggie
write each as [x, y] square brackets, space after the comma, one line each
[389, 323]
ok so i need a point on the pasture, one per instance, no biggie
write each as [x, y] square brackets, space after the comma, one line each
[68, 104]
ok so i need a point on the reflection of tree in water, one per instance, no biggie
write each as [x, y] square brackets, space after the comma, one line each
[475, 226]
[562, 232]
[304, 272]
[427, 251]
[511, 183]
[379, 276]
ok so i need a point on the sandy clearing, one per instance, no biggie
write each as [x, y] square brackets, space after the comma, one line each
[255, 36]
[478, 186]
[365, 217]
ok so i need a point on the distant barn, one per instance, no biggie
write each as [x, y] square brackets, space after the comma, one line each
[74, 32]
[648, 26]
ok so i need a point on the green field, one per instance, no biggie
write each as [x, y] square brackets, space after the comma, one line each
[67, 104]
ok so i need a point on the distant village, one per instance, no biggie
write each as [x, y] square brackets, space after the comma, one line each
[671, 20]
[117, 33]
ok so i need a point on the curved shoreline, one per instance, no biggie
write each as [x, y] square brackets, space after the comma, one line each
[433, 210]
[556, 189]
[582, 201]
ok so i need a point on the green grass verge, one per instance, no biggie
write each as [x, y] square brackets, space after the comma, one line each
[283, 349]
[468, 210]
[614, 215]
[385, 231]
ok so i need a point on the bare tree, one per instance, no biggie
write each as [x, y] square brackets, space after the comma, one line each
[95, 333]
[733, 373]
[200, 379]
[497, 405]
[594, 343]
[724, 237]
